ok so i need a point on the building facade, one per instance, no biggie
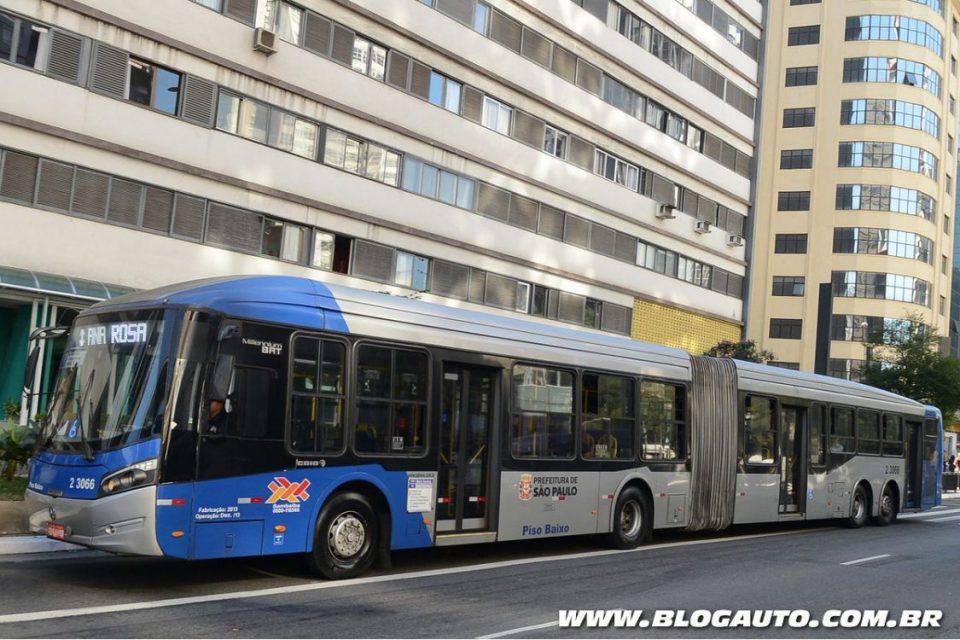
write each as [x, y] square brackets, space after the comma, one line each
[857, 184]
[586, 162]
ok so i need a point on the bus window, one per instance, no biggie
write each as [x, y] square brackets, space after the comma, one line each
[317, 396]
[606, 431]
[841, 430]
[391, 401]
[663, 413]
[892, 435]
[759, 430]
[542, 413]
[818, 435]
[868, 432]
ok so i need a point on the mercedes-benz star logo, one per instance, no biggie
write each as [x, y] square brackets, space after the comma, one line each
[53, 513]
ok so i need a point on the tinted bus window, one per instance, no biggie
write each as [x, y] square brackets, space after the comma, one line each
[868, 432]
[391, 401]
[662, 414]
[542, 413]
[841, 430]
[892, 435]
[606, 431]
[818, 435]
[759, 430]
[317, 399]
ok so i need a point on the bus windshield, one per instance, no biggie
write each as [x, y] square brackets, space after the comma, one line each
[112, 386]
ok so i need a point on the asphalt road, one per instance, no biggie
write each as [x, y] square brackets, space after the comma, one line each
[507, 590]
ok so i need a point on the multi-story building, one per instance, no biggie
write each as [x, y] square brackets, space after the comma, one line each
[586, 162]
[857, 185]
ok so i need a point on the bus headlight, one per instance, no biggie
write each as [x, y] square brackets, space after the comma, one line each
[136, 475]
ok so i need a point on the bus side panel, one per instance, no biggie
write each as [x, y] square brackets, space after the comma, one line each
[669, 489]
[174, 506]
[757, 498]
[818, 496]
[277, 512]
[546, 504]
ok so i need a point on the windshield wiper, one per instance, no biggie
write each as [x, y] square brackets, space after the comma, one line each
[87, 449]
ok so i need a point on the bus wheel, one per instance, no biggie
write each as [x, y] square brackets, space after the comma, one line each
[887, 511]
[345, 542]
[859, 513]
[632, 520]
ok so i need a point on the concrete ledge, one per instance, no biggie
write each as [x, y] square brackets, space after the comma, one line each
[34, 544]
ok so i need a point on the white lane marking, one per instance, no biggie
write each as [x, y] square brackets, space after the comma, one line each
[947, 519]
[926, 514]
[34, 616]
[862, 560]
[511, 632]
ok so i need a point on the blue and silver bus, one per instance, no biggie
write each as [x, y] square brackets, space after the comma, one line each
[266, 415]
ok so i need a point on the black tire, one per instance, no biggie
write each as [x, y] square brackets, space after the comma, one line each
[346, 537]
[859, 509]
[632, 520]
[887, 509]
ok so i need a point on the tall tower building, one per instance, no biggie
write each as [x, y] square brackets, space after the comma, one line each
[586, 162]
[856, 186]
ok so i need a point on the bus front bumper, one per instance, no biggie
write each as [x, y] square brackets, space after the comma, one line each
[121, 523]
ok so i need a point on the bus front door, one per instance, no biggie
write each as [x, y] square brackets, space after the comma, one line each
[793, 468]
[466, 425]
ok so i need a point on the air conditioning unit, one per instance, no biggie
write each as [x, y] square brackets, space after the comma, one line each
[733, 240]
[702, 226]
[666, 211]
[264, 41]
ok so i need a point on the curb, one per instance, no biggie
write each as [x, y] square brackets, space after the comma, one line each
[33, 544]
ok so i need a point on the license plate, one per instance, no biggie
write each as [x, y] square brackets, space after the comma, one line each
[55, 530]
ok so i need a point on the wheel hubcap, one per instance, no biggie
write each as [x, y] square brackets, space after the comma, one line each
[858, 508]
[347, 535]
[630, 520]
[886, 505]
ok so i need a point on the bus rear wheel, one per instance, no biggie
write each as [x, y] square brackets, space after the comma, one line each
[859, 511]
[887, 509]
[345, 541]
[632, 520]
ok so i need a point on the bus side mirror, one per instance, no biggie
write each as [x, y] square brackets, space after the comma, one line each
[220, 383]
[30, 369]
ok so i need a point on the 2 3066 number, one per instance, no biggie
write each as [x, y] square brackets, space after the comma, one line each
[82, 483]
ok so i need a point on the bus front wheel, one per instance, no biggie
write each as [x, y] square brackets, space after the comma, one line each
[632, 520]
[345, 542]
[859, 511]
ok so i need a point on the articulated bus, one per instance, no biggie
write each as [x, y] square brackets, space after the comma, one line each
[267, 415]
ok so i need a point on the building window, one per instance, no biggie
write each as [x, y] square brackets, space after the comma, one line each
[799, 2]
[793, 201]
[786, 328]
[792, 366]
[617, 170]
[445, 92]
[790, 243]
[883, 286]
[361, 157]
[496, 115]
[23, 42]
[788, 285]
[371, 60]
[796, 158]
[800, 117]
[293, 134]
[798, 36]
[154, 86]
[899, 28]
[412, 271]
[893, 70]
[481, 18]
[801, 76]
[874, 197]
[290, 23]
[890, 112]
[555, 142]
[888, 155]
[888, 242]
[284, 240]
[438, 184]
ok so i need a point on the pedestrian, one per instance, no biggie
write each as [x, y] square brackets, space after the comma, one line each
[951, 464]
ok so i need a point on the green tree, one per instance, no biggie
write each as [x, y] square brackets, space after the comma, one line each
[742, 350]
[906, 359]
